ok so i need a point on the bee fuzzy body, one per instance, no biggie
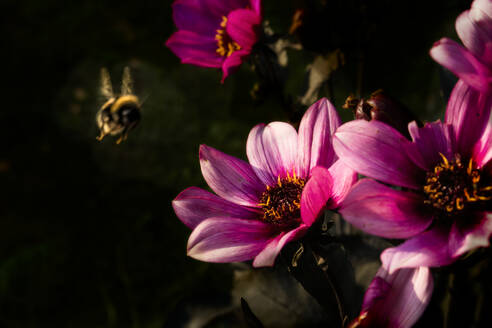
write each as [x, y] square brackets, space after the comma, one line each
[119, 114]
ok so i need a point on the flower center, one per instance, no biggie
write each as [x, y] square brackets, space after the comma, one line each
[453, 184]
[225, 45]
[281, 203]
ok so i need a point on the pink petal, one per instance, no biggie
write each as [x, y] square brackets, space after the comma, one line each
[256, 6]
[377, 291]
[383, 211]
[468, 111]
[462, 63]
[482, 152]
[272, 150]
[232, 63]
[315, 134]
[343, 179]
[474, 28]
[192, 17]
[316, 194]
[374, 149]
[230, 177]
[429, 141]
[429, 248]
[397, 300]
[242, 26]
[222, 8]
[216, 8]
[483, 5]
[194, 49]
[193, 205]
[268, 255]
[228, 240]
[474, 232]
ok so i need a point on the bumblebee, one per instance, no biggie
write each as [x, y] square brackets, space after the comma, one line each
[121, 113]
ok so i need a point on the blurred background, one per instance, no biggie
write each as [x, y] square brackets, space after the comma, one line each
[88, 237]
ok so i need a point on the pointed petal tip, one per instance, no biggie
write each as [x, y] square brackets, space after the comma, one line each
[267, 256]
[315, 136]
[427, 249]
[223, 240]
[202, 150]
[272, 150]
[374, 149]
[441, 41]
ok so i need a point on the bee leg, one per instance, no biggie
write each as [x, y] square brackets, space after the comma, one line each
[101, 136]
[123, 136]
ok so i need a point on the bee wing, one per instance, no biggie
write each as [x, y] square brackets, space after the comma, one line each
[126, 82]
[106, 86]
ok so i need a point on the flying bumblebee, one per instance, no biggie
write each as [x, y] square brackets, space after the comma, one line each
[120, 113]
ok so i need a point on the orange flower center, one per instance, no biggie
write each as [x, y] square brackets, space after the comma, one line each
[452, 185]
[281, 203]
[225, 45]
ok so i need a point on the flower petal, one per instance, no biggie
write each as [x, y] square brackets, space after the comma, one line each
[462, 63]
[272, 150]
[216, 8]
[468, 111]
[194, 49]
[256, 6]
[316, 194]
[315, 134]
[192, 17]
[242, 26]
[193, 205]
[483, 5]
[482, 152]
[268, 255]
[429, 248]
[232, 63]
[475, 233]
[343, 179]
[430, 140]
[397, 300]
[374, 149]
[474, 28]
[230, 177]
[222, 8]
[383, 211]
[228, 240]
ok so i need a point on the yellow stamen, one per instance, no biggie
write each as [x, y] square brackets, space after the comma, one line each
[225, 45]
[459, 203]
[445, 160]
[224, 22]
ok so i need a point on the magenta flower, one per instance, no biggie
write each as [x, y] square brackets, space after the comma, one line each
[444, 207]
[472, 64]
[215, 33]
[261, 206]
[395, 300]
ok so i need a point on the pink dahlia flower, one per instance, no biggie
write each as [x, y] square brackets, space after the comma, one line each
[472, 63]
[273, 199]
[446, 174]
[395, 300]
[215, 33]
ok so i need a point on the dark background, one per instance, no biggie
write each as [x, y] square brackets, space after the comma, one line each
[88, 237]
